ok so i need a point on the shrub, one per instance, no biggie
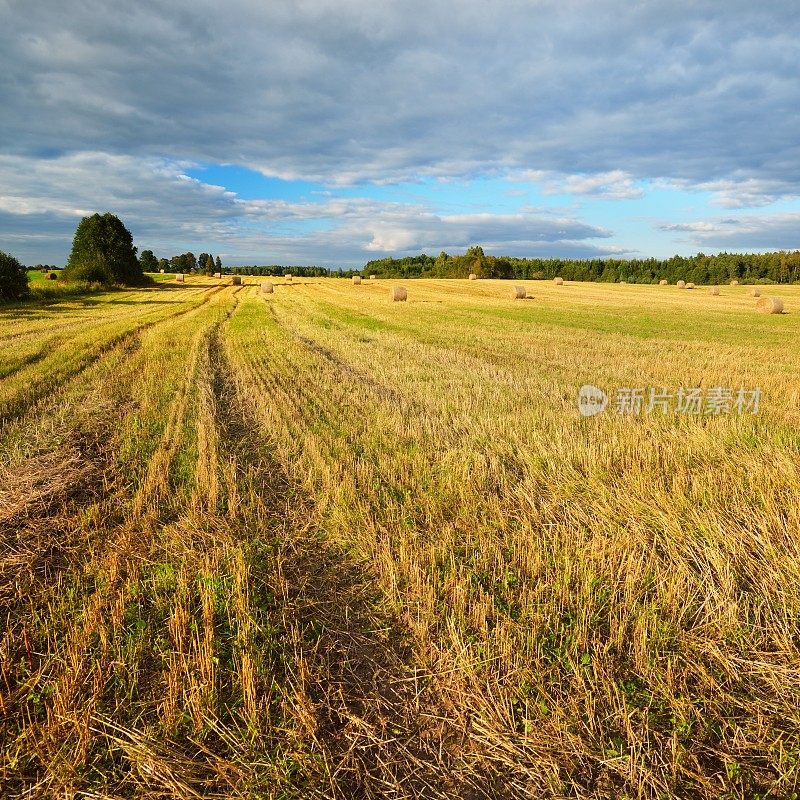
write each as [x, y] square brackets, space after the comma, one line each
[13, 278]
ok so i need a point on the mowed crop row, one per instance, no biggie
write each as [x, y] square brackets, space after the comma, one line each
[314, 543]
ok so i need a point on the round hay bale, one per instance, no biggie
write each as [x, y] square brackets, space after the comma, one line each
[558, 281]
[52, 277]
[288, 278]
[266, 287]
[663, 282]
[356, 280]
[179, 277]
[714, 290]
[755, 292]
[770, 305]
[217, 274]
[236, 280]
[161, 271]
[473, 276]
[623, 283]
[689, 286]
[734, 282]
[518, 293]
[681, 284]
[373, 277]
[398, 294]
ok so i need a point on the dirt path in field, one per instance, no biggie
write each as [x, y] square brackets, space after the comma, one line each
[373, 715]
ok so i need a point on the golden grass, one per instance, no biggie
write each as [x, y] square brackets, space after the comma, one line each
[319, 546]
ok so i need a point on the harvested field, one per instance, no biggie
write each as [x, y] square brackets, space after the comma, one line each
[324, 545]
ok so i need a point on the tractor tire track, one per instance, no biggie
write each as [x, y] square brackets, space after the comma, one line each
[371, 711]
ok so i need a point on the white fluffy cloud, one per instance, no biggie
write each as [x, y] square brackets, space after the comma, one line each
[169, 212]
[613, 185]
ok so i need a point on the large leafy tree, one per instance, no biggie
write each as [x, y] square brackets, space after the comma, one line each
[103, 251]
[13, 278]
[148, 262]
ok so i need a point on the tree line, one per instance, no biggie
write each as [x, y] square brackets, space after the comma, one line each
[205, 263]
[776, 267]
[278, 270]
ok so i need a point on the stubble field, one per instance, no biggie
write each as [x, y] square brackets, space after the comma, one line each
[317, 544]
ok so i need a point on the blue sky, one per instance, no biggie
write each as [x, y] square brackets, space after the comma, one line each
[336, 132]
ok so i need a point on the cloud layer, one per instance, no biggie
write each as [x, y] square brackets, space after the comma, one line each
[353, 90]
[169, 212]
[586, 98]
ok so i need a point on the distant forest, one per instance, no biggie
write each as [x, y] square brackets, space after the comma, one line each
[777, 267]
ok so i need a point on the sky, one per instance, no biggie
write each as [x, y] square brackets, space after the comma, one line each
[333, 132]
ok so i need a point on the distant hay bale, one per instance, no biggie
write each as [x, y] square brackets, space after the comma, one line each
[398, 294]
[681, 284]
[288, 277]
[52, 277]
[236, 280]
[558, 281]
[179, 277]
[663, 282]
[755, 292]
[518, 293]
[623, 283]
[373, 277]
[714, 290]
[689, 286]
[161, 271]
[266, 287]
[770, 305]
[356, 280]
[473, 276]
[217, 274]
[734, 282]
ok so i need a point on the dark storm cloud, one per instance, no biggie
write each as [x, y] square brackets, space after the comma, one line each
[344, 91]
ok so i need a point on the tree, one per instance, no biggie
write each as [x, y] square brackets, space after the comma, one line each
[219, 264]
[163, 264]
[206, 263]
[103, 251]
[13, 278]
[148, 262]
